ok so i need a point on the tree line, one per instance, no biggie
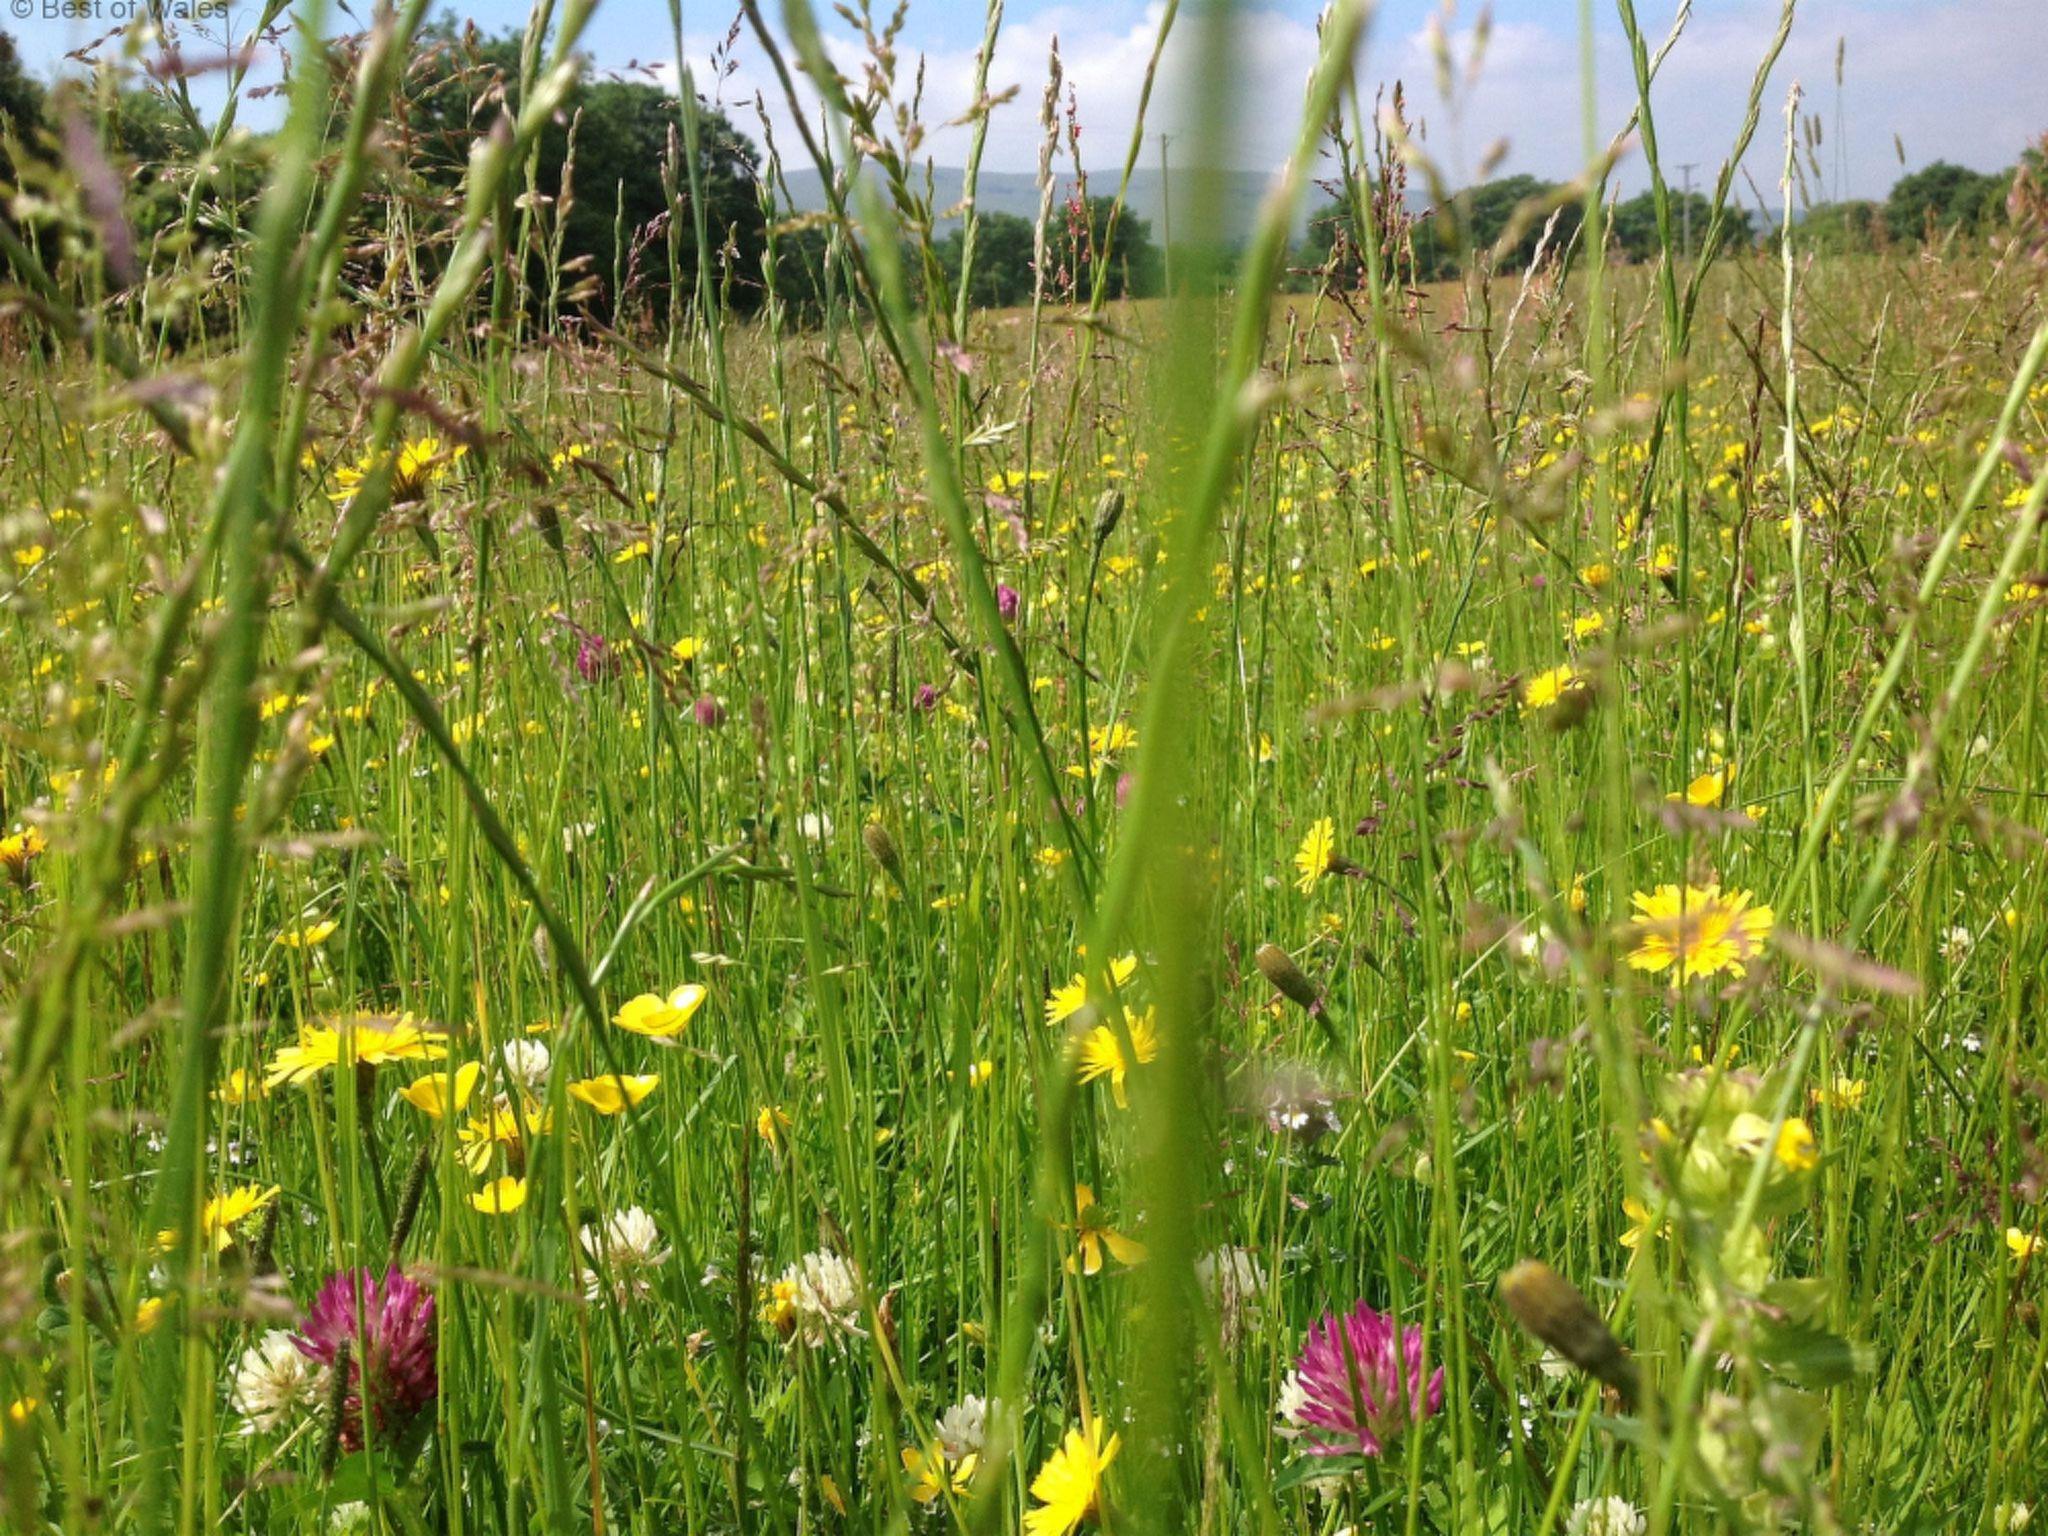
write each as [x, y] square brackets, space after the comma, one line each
[618, 220]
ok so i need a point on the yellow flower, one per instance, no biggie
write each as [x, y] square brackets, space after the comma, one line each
[1842, 1093]
[221, 1214]
[2021, 1245]
[1545, 689]
[1092, 1235]
[500, 1197]
[502, 1127]
[770, 1125]
[1069, 1486]
[933, 1476]
[148, 1313]
[362, 1039]
[1794, 1147]
[1312, 858]
[1102, 1053]
[1698, 929]
[431, 1094]
[1106, 741]
[1707, 789]
[312, 936]
[1641, 1224]
[1587, 625]
[420, 463]
[240, 1088]
[613, 1095]
[20, 849]
[981, 1073]
[658, 1017]
[1070, 999]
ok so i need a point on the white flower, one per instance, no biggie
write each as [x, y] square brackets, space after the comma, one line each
[962, 1428]
[1292, 1401]
[815, 825]
[1610, 1516]
[349, 1519]
[824, 1294]
[629, 1244]
[2016, 1516]
[1955, 945]
[1232, 1279]
[526, 1063]
[273, 1383]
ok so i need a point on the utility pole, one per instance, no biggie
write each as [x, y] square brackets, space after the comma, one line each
[1166, 210]
[1688, 168]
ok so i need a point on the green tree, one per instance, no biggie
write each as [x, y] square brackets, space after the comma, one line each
[1633, 225]
[623, 133]
[1085, 240]
[1003, 245]
[1848, 228]
[1943, 197]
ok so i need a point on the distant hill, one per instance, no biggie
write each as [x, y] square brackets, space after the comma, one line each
[1017, 192]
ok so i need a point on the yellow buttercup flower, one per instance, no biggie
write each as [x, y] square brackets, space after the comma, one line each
[2021, 1245]
[1068, 1487]
[1092, 1235]
[432, 1094]
[500, 1197]
[661, 1018]
[1642, 1224]
[1707, 789]
[614, 1094]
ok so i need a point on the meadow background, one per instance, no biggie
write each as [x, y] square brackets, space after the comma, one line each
[1381, 879]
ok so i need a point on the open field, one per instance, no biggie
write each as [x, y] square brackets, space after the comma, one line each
[1387, 909]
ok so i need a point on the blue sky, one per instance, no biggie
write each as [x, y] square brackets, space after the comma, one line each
[1953, 79]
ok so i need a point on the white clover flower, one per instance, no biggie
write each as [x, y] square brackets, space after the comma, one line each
[527, 1063]
[1955, 945]
[962, 1428]
[351, 1518]
[1610, 1516]
[274, 1383]
[1290, 1405]
[824, 1298]
[2016, 1516]
[629, 1245]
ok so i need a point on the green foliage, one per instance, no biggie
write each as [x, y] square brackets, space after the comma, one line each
[1942, 198]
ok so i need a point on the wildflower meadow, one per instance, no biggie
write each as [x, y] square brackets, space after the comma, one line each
[680, 856]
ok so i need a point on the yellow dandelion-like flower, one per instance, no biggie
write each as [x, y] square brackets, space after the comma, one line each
[364, 1039]
[1699, 929]
[222, 1213]
[1068, 1487]
[2021, 1245]
[1066, 1001]
[1312, 858]
[1102, 1053]
[1546, 689]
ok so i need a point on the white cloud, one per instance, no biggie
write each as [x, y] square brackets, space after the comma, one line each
[1953, 79]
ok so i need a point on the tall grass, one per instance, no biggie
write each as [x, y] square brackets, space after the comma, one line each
[415, 642]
